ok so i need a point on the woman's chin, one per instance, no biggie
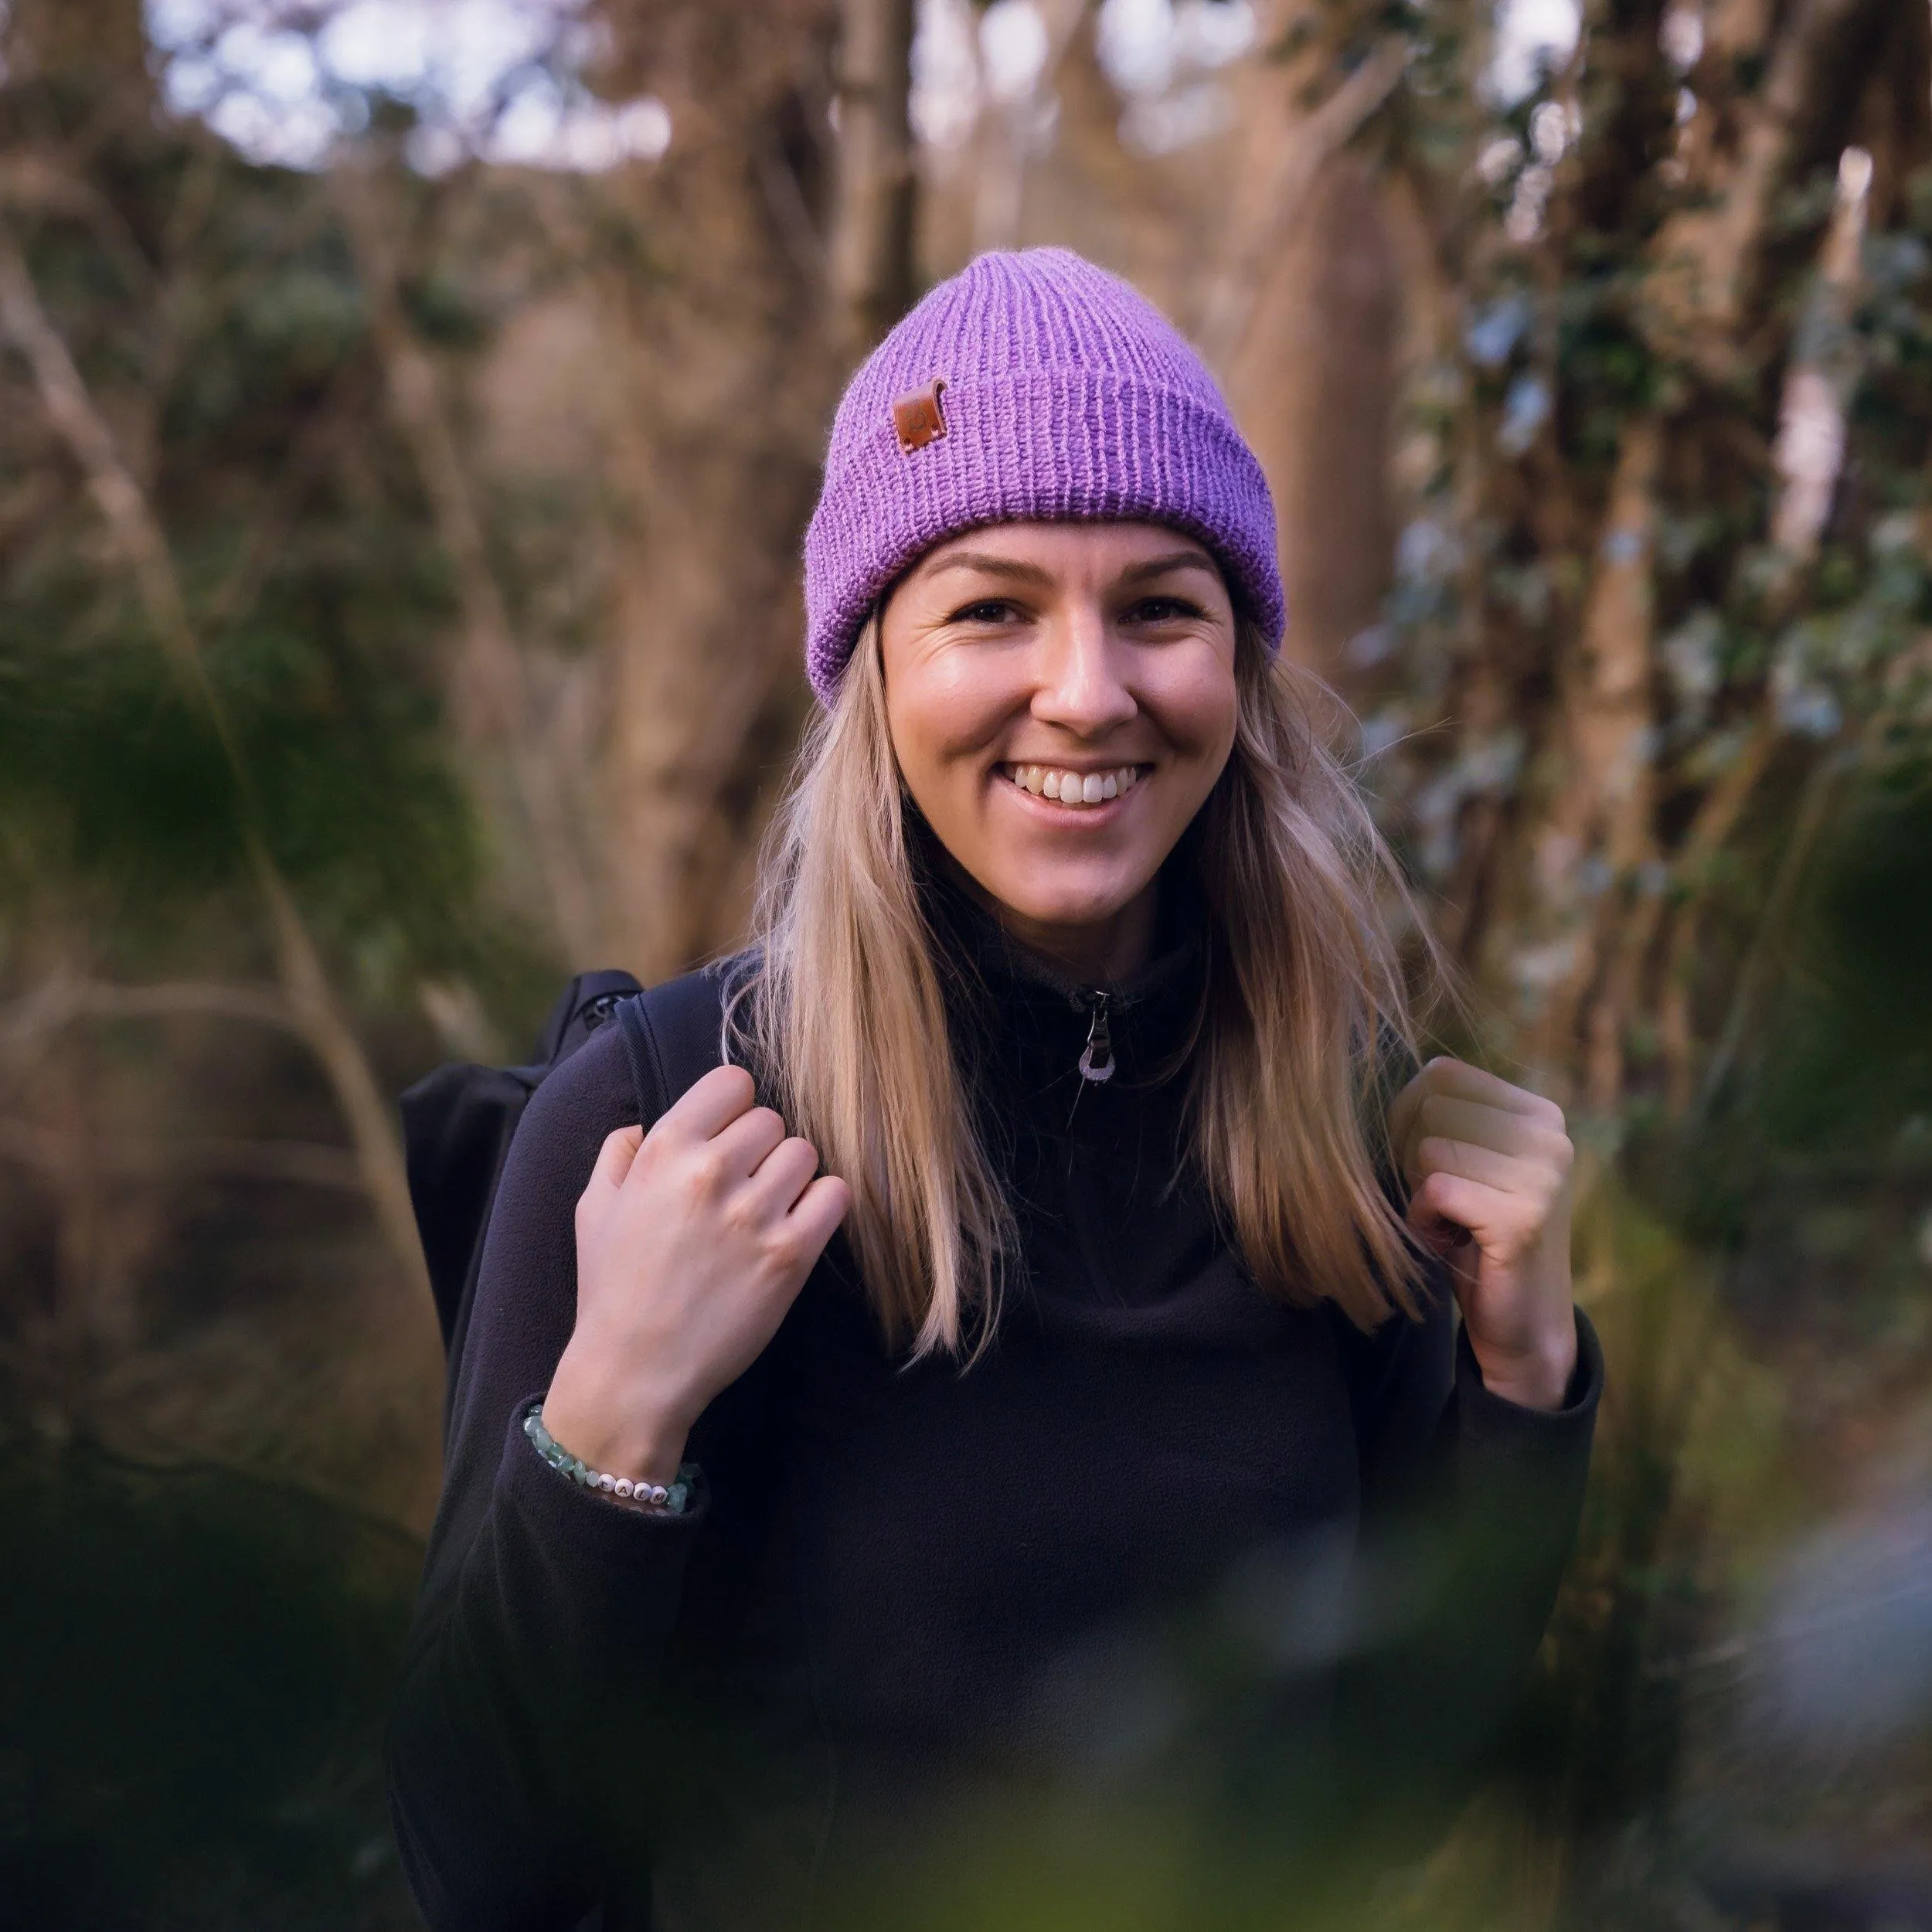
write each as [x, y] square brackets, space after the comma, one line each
[1073, 910]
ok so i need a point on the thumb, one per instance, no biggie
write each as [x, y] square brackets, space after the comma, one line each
[1439, 1230]
[615, 1157]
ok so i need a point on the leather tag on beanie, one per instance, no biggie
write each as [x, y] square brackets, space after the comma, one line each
[917, 417]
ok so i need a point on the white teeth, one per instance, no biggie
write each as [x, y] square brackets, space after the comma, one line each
[1075, 787]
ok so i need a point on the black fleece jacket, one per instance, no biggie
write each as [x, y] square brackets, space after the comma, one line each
[1156, 1615]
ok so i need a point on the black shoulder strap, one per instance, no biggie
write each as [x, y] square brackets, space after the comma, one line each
[674, 1035]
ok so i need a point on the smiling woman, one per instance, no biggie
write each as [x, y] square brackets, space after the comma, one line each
[1088, 667]
[969, 1408]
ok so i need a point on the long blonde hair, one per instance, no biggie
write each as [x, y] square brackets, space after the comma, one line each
[1307, 1009]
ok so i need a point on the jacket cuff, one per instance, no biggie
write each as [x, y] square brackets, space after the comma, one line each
[584, 1524]
[1487, 1418]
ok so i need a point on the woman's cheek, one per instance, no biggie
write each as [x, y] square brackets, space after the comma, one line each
[1196, 717]
[944, 769]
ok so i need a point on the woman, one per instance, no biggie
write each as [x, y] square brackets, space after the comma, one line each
[1099, 1516]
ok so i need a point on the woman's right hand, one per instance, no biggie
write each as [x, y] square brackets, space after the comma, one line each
[692, 1241]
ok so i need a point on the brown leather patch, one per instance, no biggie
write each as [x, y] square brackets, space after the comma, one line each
[917, 417]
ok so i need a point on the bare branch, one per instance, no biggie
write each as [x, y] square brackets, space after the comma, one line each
[1003, 161]
[129, 1158]
[790, 215]
[63, 394]
[31, 181]
[235, 598]
[871, 251]
[1706, 257]
[326, 1029]
[1255, 242]
[137, 530]
[1809, 454]
[1717, 816]
[489, 642]
[58, 1002]
[1603, 811]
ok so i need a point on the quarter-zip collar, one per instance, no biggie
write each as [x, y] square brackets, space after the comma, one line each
[1035, 1021]
[1114, 1226]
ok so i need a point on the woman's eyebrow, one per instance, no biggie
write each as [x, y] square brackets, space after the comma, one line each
[988, 565]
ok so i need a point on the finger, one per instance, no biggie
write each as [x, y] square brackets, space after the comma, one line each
[1445, 1202]
[1401, 1113]
[1446, 1082]
[784, 1175]
[1456, 1079]
[815, 1218]
[615, 1157]
[1466, 1160]
[1481, 1125]
[706, 1107]
[740, 1146]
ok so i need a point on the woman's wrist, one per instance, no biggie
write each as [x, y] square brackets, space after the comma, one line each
[1537, 1377]
[671, 1498]
[629, 1438]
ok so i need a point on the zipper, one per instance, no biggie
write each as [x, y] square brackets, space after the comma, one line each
[1096, 1057]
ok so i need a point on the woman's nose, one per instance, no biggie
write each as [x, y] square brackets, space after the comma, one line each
[1081, 688]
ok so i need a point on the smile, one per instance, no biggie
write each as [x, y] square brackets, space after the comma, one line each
[1081, 789]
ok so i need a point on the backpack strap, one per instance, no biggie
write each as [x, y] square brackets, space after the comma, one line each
[674, 1037]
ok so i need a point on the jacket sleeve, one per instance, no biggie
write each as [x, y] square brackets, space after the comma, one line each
[527, 1697]
[1471, 1509]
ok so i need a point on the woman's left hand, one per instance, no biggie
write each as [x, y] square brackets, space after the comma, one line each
[1487, 1167]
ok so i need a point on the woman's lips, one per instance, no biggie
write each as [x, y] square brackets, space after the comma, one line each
[1082, 791]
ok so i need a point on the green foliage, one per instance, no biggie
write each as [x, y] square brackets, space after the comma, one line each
[1757, 1243]
[314, 582]
[1835, 1072]
[188, 1732]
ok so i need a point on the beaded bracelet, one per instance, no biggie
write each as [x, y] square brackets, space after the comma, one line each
[670, 1498]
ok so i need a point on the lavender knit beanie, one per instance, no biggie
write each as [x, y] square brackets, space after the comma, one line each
[1031, 386]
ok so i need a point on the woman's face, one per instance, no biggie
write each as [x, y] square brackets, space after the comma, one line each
[1062, 698]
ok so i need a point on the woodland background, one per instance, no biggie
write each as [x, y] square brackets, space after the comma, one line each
[408, 416]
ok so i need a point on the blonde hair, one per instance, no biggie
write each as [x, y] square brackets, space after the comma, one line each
[1307, 1002]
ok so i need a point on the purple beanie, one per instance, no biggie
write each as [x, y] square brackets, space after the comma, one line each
[1036, 386]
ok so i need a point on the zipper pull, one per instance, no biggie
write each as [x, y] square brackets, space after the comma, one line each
[1096, 1057]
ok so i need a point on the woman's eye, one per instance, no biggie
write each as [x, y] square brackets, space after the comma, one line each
[987, 610]
[1162, 610]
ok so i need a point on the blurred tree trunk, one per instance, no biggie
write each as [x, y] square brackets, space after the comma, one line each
[1580, 859]
[1315, 382]
[1299, 314]
[777, 252]
[1138, 213]
[136, 532]
[1016, 133]
[494, 664]
[101, 45]
[870, 253]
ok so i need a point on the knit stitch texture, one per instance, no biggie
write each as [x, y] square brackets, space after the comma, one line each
[1068, 397]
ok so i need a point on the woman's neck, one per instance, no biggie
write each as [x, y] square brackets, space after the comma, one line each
[1101, 953]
